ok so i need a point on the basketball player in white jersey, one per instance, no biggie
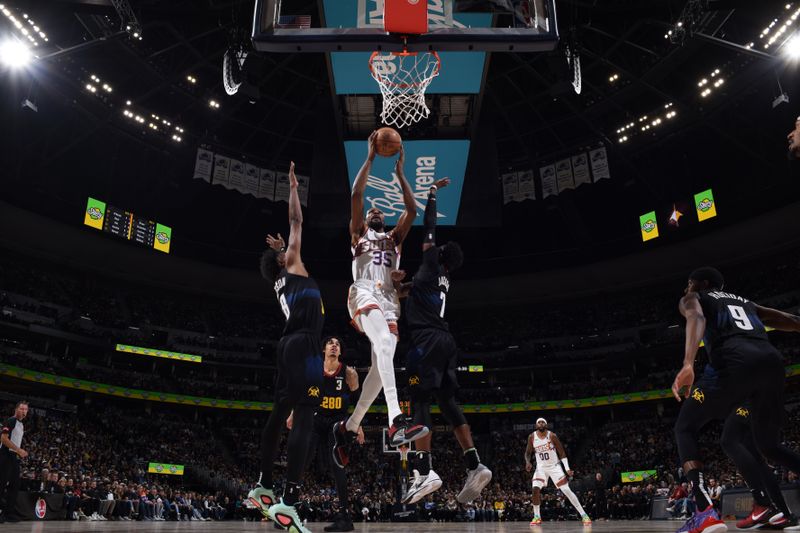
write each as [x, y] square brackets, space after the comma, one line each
[550, 456]
[374, 305]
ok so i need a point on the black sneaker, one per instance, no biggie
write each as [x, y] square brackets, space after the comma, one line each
[781, 521]
[342, 439]
[404, 431]
[341, 523]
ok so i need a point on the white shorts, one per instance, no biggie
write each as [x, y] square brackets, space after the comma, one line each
[545, 473]
[361, 299]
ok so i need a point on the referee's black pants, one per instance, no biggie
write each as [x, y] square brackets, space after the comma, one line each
[9, 482]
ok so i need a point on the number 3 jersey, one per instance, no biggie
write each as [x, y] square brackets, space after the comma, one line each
[729, 316]
[335, 395]
[301, 304]
[375, 256]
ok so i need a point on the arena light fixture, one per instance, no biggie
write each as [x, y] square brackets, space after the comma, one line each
[792, 47]
[213, 104]
[15, 54]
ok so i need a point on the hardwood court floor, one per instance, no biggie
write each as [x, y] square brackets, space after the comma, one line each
[235, 526]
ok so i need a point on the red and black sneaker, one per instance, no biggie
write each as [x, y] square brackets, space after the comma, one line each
[759, 516]
[403, 432]
[781, 521]
[342, 439]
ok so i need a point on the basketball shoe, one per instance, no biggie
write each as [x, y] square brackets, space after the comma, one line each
[758, 517]
[537, 521]
[586, 520]
[342, 439]
[403, 431]
[422, 486]
[286, 516]
[780, 521]
[704, 522]
[476, 480]
[262, 498]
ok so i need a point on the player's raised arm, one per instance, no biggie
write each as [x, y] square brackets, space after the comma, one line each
[690, 308]
[407, 218]
[294, 263]
[778, 319]
[430, 214]
[359, 187]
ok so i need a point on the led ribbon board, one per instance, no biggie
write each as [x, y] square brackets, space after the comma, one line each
[426, 162]
[641, 475]
[126, 225]
[461, 72]
[163, 468]
[159, 353]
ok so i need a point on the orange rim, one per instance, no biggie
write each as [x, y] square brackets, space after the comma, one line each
[384, 81]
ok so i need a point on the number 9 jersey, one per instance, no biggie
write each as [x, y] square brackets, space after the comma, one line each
[728, 317]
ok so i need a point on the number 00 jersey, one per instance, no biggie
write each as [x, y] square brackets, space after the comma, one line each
[375, 256]
[728, 316]
[335, 394]
[543, 449]
[301, 303]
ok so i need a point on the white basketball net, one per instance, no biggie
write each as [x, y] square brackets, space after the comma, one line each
[403, 79]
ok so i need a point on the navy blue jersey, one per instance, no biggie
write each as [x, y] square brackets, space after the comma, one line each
[428, 297]
[301, 303]
[335, 394]
[729, 316]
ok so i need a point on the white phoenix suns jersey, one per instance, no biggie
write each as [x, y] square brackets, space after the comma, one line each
[375, 256]
[544, 450]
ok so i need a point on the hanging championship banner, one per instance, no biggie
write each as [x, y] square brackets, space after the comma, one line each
[527, 188]
[548, 175]
[510, 187]
[204, 165]
[282, 187]
[302, 189]
[251, 177]
[266, 185]
[237, 175]
[222, 168]
[564, 175]
[599, 160]
[580, 169]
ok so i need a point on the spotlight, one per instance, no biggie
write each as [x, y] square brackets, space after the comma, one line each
[15, 54]
[792, 47]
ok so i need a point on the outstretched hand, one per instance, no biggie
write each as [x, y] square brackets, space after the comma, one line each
[276, 243]
[398, 275]
[371, 145]
[444, 182]
[292, 177]
[398, 166]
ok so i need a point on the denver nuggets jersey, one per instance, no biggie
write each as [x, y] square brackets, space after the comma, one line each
[428, 297]
[375, 256]
[544, 450]
[728, 316]
[301, 303]
[335, 394]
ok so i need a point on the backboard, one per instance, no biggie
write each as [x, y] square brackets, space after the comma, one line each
[357, 26]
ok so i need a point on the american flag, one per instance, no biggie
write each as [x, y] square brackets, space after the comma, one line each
[294, 22]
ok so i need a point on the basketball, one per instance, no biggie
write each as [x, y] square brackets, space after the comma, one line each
[387, 142]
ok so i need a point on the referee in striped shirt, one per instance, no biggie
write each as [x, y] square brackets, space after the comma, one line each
[10, 454]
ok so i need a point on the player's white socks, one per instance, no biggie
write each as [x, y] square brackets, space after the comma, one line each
[536, 509]
[573, 499]
[383, 345]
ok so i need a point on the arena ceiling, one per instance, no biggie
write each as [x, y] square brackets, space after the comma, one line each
[78, 143]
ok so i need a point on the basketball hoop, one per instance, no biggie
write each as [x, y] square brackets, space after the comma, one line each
[403, 79]
[404, 456]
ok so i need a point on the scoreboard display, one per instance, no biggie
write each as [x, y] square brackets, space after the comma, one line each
[127, 225]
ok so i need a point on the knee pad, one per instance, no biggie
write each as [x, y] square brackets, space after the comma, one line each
[450, 410]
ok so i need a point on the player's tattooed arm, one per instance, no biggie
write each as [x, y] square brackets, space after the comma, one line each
[528, 452]
[407, 218]
[690, 308]
[359, 187]
[778, 319]
[294, 263]
[351, 377]
[397, 280]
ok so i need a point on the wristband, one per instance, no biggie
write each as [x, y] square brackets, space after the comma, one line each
[565, 462]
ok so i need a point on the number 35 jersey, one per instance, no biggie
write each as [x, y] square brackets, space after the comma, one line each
[375, 256]
[729, 316]
[301, 304]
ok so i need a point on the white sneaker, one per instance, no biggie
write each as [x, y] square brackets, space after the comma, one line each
[422, 486]
[476, 480]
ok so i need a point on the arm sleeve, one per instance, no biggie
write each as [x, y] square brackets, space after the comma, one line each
[430, 219]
